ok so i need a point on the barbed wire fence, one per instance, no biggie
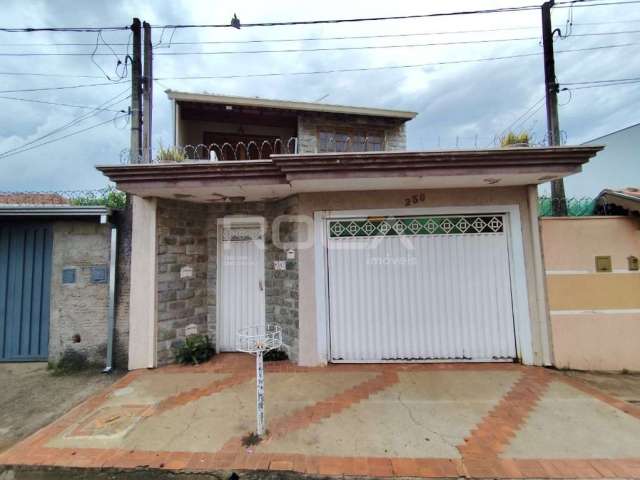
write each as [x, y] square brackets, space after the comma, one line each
[108, 197]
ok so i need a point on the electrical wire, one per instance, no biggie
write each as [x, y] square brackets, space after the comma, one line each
[387, 67]
[517, 120]
[110, 102]
[300, 39]
[32, 100]
[522, 8]
[66, 136]
[633, 79]
[66, 87]
[41, 74]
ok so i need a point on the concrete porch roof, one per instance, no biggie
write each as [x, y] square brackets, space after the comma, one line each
[282, 175]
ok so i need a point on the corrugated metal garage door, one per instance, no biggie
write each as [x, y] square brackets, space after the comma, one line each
[420, 288]
[25, 277]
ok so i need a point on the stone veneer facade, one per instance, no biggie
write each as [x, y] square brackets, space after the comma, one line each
[395, 137]
[187, 236]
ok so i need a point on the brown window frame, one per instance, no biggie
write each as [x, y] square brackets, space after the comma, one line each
[351, 133]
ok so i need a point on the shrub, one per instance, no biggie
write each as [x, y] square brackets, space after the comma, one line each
[194, 350]
[107, 197]
[276, 355]
[170, 154]
[514, 139]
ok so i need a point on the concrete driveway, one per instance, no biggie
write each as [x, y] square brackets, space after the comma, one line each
[418, 420]
[30, 397]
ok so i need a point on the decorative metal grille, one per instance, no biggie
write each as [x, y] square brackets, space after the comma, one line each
[241, 234]
[406, 226]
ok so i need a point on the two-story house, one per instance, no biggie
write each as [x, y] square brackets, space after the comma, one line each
[314, 217]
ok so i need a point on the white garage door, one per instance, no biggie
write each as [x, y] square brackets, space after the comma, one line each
[420, 288]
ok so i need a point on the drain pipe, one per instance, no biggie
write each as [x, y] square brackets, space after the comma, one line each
[111, 318]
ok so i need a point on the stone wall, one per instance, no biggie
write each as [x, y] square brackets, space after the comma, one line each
[79, 308]
[122, 220]
[281, 286]
[309, 123]
[181, 273]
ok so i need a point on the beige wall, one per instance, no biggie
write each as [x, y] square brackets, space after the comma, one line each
[595, 316]
[310, 203]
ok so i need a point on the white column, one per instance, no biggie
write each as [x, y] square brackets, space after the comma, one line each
[542, 314]
[143, 323]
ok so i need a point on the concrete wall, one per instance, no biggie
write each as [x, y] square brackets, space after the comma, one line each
[79, 310]
[595, 316]
[310, 203]
[309, 124]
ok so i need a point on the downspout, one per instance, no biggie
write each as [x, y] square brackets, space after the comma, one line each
[111, 318]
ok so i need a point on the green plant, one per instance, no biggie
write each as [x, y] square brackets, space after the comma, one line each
[514, 139]
[170, 154]
[251, 439]
[108, 197]
[276, 355]
[194, 350]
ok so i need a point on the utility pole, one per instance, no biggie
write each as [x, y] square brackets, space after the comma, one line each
[147, 83]
[558, 200]
[136, 100]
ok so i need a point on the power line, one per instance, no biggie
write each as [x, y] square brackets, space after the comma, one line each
[560, 4]
[32, 100]
[42, 74]
[60, 29]
[110, 102]
[517, 120]
[66, 136]
[387, 67]
[633, 79]
[353, 20]
[277, 40]
[66, 87]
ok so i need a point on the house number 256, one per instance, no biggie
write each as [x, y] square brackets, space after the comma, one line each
[413, 199]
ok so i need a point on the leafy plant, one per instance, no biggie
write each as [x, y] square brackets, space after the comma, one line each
[194, 350]
[276, 355]
[108, 197]
[170, 154]
[512, 138]
[576, 207]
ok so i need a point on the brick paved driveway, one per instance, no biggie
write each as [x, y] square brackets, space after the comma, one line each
[418, 420]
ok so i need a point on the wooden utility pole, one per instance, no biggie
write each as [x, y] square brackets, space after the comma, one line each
[135, 154]
[558, 200]
[147, 102]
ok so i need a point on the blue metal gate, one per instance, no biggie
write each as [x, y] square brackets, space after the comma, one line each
[25, 283]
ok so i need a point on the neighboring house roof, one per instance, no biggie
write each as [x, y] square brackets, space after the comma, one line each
[628, 198]
[288, 105]
[53, 210]
[20, 198]
[598, 139]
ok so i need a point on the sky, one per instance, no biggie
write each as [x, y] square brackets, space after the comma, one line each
[462, 105]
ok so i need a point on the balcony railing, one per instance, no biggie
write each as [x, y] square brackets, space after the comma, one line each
[214, 152]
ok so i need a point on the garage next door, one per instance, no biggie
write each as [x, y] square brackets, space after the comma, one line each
[420, 288]
[25, 277]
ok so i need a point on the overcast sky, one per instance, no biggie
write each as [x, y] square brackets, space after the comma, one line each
[463, 105]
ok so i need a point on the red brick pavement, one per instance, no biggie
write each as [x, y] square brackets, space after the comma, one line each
[480, 454]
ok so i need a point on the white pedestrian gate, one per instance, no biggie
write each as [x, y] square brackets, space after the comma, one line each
[420, 288]
[241, 300]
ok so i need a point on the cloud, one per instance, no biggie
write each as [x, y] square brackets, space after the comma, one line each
[462, 105]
